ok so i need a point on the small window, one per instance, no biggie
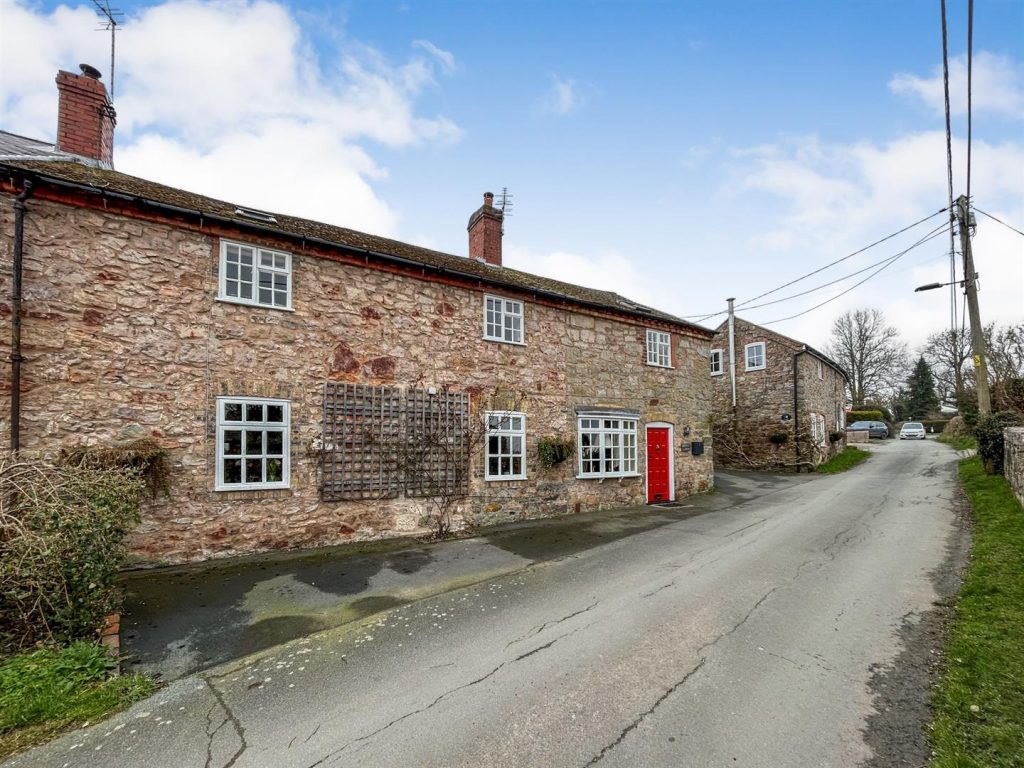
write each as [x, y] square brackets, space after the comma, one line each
[755, 356]
[252, 443]
[257, 276]
[659, 349]
[716, 362]
[503, 320]
[505, 454]
[607, 446]
[821, 370]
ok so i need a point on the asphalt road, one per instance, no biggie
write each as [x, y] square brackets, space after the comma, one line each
[745, 637]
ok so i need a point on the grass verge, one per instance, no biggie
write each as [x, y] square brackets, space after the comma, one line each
[979, 701]
[958, 442]
[50, 690]
[848, 459]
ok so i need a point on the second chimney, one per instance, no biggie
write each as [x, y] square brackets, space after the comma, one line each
[85, 116]
[485, 230]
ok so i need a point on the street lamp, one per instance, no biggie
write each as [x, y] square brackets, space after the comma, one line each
[933, 286]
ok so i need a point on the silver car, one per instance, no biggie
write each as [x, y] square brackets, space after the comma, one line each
[912, 430]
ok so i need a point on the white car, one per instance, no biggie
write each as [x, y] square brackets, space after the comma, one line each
[912, 430]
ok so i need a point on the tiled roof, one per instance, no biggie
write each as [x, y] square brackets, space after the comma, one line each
[801, 345]
[113, 182]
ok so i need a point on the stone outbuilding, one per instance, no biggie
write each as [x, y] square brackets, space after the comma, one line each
[314, 384]
[777, 402]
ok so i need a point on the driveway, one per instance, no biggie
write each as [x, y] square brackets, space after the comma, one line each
[755, 636]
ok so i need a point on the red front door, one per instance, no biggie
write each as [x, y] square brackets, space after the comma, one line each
[659, 463]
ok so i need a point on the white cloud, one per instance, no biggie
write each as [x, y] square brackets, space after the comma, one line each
[608, 271]
[828, 200]
[997, 86]
[564, 97]
[246, 110]
[446, 58]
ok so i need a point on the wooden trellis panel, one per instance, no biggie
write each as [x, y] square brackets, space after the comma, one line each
[437, 436]
[362, 442]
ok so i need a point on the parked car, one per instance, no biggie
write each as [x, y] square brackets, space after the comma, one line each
[873, 428]
[912, 430]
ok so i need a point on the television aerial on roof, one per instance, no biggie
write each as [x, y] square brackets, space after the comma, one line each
[504, 202]
[110, 18]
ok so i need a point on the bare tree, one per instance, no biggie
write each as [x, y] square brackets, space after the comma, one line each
[948, 353]
[872, 353]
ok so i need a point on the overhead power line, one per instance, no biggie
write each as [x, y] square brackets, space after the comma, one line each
[859, 251]
[949, 172]
[932, 235]
[934, 232]
[1008, 226]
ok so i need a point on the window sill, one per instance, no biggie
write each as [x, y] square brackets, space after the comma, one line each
[502, 341]
[251, 487]
[720, 373]
[502, 479]
[664, 367]
[253, 304]
[607, 477]
[758, 368]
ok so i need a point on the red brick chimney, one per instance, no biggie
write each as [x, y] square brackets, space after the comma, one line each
[485, 230]
[85, 116]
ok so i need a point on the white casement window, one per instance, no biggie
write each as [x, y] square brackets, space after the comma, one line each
[607, 446]
[840, 418]
[659, 349]
[821, 370]
[755, 355]
[505, 453]
[818, 429]
[716, 362]
[257, 276]
[503, 320]
[252, 443]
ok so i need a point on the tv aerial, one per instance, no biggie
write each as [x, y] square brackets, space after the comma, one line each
[110, 19]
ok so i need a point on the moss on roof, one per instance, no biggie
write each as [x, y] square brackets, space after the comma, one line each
[142, 190]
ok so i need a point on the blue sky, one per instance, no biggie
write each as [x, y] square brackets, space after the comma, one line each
[677, 152]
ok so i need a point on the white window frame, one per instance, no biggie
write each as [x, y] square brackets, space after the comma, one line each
[721, 361]
[251, 425]
[764, 356]
[659, 348]
[621, 434]
[504, 429]
[280, 265]
[821, 371]
[504, 320]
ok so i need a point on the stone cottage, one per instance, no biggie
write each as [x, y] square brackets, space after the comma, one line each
[314, 384]
[777, 402]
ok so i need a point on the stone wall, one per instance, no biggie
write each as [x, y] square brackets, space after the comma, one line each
[1013, 466]
[123, 336]
[765, 404]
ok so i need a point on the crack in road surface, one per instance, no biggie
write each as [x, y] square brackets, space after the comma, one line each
[229, 717]
[546, 624]
[331, 755]
[635, 724]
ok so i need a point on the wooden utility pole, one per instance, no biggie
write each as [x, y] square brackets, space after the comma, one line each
[971, 287]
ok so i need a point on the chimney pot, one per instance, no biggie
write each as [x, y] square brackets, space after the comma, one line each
[90, 71]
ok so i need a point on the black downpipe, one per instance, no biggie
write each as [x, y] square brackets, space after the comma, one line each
[796, 412]
[16, 358]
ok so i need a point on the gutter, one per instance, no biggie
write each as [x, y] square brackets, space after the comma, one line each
[16, 298]
[387, 257]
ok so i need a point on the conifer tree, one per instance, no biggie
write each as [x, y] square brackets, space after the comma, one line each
[921, 398]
